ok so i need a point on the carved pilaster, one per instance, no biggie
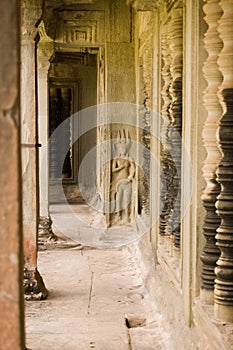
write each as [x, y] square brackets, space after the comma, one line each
[213, 45]
[223, 291]
[176, 115]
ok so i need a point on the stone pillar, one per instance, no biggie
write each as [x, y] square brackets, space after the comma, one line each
[44, 52]
[223, 291]
[33, 284]
[119, 59]
[213, 45]
[11, 252]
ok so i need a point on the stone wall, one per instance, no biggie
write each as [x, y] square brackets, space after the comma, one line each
[182, 49]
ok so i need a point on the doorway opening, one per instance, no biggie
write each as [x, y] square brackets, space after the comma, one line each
[72, 88]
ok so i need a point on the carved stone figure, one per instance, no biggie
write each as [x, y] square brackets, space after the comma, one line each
[122, 182]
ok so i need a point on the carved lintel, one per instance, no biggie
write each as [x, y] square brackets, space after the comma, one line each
[34, 288]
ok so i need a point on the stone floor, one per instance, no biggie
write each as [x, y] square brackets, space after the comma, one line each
[97, 300]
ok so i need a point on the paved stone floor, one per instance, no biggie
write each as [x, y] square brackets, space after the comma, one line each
[96, 301]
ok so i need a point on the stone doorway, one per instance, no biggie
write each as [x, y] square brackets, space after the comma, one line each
[72, 88]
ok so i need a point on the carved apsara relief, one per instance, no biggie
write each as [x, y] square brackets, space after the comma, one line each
[122, 187]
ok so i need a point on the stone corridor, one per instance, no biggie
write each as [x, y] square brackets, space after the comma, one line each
[97, 300]
[125, 106]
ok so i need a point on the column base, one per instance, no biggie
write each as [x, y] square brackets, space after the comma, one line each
[207, 296]
[223, 312]
[45, 233]
[34, 287]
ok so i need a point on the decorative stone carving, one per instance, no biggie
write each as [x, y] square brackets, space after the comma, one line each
[122, 181]
[79, 27]
[223, 291]
[84, 34]
[213, 45]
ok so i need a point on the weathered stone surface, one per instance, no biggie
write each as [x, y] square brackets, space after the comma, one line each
[91, 292]
[121, 64]
[11, 301]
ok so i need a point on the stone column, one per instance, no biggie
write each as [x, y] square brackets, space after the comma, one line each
[44, 52]
[11, 252]
[223, 291]
[33, 284]
[213, 45]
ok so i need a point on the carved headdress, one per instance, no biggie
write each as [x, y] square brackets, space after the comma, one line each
[122, 143]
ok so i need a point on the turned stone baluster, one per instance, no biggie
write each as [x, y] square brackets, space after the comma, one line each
[176, 115]
[166, 120]
[213, 45]
[223, 291]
